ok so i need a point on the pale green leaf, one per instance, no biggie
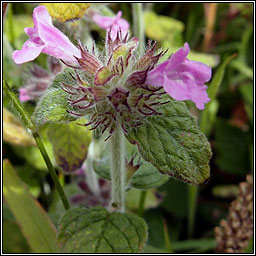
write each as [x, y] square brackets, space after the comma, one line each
[95, 230]
[36, 225]
[164, 29]
[145, 177]
[70, 144]
[173, 143]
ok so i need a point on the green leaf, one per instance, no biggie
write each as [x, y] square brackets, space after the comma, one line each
[152, 249]
[53, 106]
[243, 68]
[36, 225]
[247, 93]
[176, 205]
[173, 143]
[232, 148]
[194, 244]
[70, 144]
[145, 177]
[210, 111]
[95, 230]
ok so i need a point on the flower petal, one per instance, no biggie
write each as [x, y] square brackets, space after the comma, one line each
[41, 15]
[200, 71]
[155, 77]
[199, 96]
[57, 44]
[103, 21]
[181, 89]
[29, 52]
[178, 57]
[177, 89]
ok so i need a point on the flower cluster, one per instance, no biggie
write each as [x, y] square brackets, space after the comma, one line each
[112, 90]
[117, 86]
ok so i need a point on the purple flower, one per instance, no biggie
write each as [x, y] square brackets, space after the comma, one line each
[181, 78]
[44, 37]
[112, 23]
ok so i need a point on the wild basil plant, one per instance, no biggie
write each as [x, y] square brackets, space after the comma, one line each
[127, 97]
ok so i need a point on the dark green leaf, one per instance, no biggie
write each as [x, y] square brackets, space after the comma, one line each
[176, 205]
[95, 230]
[247, 93]
[173, 143]
[232, 148]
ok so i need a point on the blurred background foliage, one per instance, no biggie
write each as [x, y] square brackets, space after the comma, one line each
[181, 218]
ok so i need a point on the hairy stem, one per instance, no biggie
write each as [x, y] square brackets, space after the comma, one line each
[31, 126]
[138, 24]
[118, 170]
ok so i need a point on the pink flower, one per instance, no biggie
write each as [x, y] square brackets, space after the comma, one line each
[114, 23]
[181, 78]
[44, 37]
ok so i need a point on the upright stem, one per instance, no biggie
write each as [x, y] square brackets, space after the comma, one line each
[138, 24]
[31, 126]
[118, 170]
[143, 195]
[90, 175]
[192, 203]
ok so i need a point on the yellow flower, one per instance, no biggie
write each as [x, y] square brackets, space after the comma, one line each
[66, 11]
